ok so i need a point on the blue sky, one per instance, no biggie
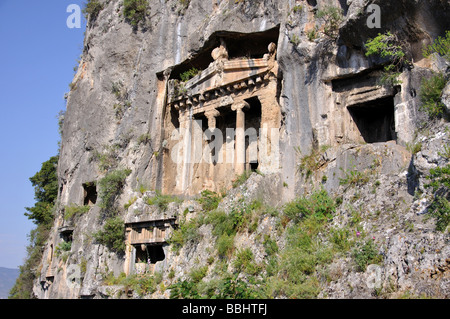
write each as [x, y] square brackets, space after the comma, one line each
[37, 53]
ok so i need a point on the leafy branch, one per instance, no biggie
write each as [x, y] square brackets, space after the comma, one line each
[388, 45]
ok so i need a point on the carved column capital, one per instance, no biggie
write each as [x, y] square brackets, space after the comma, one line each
[212, 113]
[211, 116]
[239, 106]
[183, 118]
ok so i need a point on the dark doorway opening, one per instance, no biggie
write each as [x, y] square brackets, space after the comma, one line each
[174, 117]
[254, 166]
[252, 126]
[90, 193]
[375, 120]
[156, 253]
[149, 253]
[226, 120]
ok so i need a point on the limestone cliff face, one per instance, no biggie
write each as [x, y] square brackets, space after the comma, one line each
[119, 116]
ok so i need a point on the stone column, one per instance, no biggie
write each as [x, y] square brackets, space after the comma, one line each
[239, 167]
[128, 254]
[183, 151]
[211, 116]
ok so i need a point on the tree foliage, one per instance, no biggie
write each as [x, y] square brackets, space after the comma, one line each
[388, 46]
[440, 46]
[112, 235]
[332, 18]
[110, 188]
[45, 184]
[439, 208]
[431, 94]
[91, 10]
[135, 11]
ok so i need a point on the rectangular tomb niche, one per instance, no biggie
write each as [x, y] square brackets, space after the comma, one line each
[146, 245]
[236, 89]
[375, 120]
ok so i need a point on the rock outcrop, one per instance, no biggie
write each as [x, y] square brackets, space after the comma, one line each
[279, 65]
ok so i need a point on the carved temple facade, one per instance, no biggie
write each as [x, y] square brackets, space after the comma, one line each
[146, 244]
[222, 122]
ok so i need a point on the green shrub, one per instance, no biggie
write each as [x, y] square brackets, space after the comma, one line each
[297, 8]
[440, 46]
[312, 34]
[184, 289]
[130, 202]
[110, 280]
[431, 93]
[107, 159]
[185, 3]
[233, 288]
[312, 162]
[222, 223]
[387, 45]
[445, 152]
[244, 262]
[110, 188]
[295, 39]
[73, 210]
[187, 232]
[64, 246]
[45, 183]
[319, 204]
[355, 178]
[144, 138]
[270, 246]
[241, 179]
[118, 90]
[135, 11]
[83, 265]
[179, 88]
[189, 74]
[91, 10]
[161, 201]
[439, 177]
[142, 284]
[414, 147]
[340, 238]
[112, 235]
[197, 274]
[332, 18]
[209, 200]
[440, 207]
[225, 245]
[366, 253]
[296, 274]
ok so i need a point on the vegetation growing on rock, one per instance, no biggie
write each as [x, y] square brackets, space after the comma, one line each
[45, 184]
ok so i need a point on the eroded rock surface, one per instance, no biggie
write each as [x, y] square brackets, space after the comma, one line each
[323, 95]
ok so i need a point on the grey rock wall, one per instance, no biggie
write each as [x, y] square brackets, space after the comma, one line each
[115, 55]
